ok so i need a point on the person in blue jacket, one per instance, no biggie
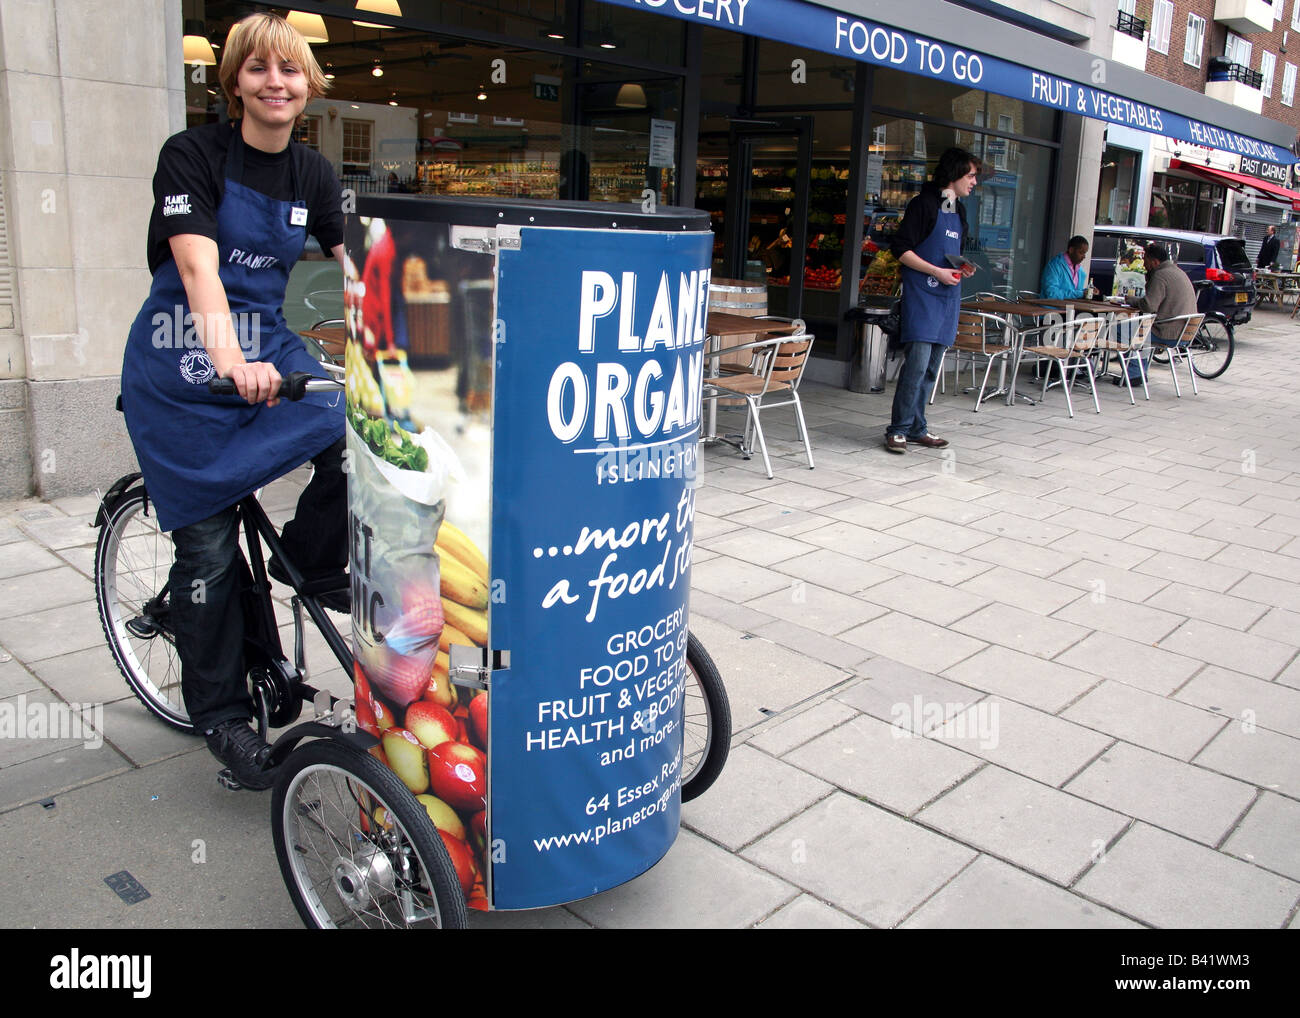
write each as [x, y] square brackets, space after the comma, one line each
[933, 230]
[1063, 277]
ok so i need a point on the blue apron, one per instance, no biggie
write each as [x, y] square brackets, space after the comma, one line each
[201, 453]
[930, 308]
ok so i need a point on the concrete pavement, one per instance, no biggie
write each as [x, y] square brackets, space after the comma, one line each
[1047, 677]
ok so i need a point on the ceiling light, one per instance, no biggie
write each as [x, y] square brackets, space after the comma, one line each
[388, 7]
[195, 47]
[377, 70]
[310, 26]
[631, 96]
[608, 43]
[482, 93]
[392, 102]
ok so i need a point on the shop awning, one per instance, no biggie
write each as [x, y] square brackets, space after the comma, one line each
[1240, 182]
[950, 43]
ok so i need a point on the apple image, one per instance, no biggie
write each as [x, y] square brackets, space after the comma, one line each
[478, 721]
[406, 759]
[378, 753]
[458, 775]
[439, 689]
[462, 860]
[478, 832]
[384, 719]
[443, 816]
[431, 723]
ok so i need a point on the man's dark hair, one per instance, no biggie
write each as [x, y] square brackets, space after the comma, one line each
[1157, 253]
[1077, 241]
[954, 164]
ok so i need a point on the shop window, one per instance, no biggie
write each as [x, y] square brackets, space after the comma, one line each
[1194, 41]
[1117, 186]
[1162, 20]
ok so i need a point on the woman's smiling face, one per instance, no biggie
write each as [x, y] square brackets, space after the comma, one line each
[274, 91]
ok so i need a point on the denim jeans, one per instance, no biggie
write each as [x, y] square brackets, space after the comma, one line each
[207, 576]
[921, 363]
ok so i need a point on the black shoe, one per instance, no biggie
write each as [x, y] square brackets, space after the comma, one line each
[241, 749]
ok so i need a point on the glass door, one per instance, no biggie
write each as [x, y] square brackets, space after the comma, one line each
[765, 225]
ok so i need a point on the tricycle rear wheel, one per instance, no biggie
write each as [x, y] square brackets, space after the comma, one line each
[706, 722]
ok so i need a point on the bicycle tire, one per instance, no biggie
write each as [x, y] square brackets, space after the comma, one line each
[1212, 348]
[133, 560]
[706, 721]
[341, 867]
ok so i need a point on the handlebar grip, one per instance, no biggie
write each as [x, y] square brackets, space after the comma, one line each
[293, 386]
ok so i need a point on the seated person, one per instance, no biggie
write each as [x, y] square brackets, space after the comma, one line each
[1169, 293]
[1063, 277]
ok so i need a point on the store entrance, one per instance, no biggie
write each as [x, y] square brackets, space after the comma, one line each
[765, 226]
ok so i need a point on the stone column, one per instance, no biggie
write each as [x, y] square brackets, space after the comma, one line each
[89, 90]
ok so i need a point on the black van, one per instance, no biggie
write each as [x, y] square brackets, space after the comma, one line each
[1218, 265]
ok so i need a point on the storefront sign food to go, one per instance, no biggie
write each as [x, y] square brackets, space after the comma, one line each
[798, 23]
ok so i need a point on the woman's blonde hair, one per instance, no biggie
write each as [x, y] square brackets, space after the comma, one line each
[262, 35]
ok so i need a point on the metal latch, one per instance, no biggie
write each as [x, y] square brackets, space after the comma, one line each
[471, 666]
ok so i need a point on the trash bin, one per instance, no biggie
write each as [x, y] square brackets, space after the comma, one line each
[870, 348]
[521, 532]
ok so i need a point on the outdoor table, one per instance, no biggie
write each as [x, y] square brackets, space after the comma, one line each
[1278, 286]
[1004, 309]
[331, 340]
[720, 324]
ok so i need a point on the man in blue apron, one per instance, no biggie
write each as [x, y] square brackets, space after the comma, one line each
[928, 240]
[234, 205]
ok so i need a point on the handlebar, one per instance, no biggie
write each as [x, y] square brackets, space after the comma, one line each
[293, 386]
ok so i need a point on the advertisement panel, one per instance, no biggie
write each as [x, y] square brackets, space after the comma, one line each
[524, 407]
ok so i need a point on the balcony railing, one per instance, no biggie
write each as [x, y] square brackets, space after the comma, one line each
[1130, 24]
[1221, 69]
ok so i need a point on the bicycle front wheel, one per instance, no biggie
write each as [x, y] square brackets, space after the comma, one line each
[355, 848]
[133, 561]
[706, 722]
[1211, 350]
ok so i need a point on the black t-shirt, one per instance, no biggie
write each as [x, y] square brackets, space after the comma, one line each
[919, 217]
[191, 180]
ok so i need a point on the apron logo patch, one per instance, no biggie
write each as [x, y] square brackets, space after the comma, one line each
[196, 367]
[176, 205]
[250, 260]
[932, 282]
[298, 217]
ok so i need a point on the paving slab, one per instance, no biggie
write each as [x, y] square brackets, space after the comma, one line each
[64, 630]
[1242, 652]
[884, 763]
[933, 563]
[823, 851]
[788, 731]
[1021, 739]
[1145, 719]
[888, 687]
[754, 793]
[1021, 557]
[836, 570]
[1276, 624]
[1193, 572]
[807, 913]
[1267, 836]
[19, 558]
[1021, 590]
[1047, 685]
[14, 678]
[1022, 631]
[808, 604]
[760, 548]
[1028, 824]
[816, 645]
[1131, 663]
[51, 588]
[732, 579]
[913, 642]
[1172, 883]
[1167, 793]
[852, 539]
[1257, 756]
[1098, 612]
[697, 885]
[925, 599]
[990, 895]
[1247, 701]
[1236, 613]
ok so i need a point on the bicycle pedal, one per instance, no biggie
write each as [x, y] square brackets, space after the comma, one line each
[226, 779]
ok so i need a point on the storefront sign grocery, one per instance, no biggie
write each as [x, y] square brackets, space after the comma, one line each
[805, 24]
[597, 389]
